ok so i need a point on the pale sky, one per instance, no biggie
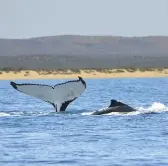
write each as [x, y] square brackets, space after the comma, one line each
[33, 18]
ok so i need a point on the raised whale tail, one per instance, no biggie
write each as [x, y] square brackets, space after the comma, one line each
[115, 103]
[60, 95]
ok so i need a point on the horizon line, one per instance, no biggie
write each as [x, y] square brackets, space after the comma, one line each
[78, 35]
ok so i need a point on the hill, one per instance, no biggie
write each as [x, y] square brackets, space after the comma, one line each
[84, 45]
[71, 51]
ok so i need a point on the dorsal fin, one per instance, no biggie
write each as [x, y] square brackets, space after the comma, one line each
[115, 103]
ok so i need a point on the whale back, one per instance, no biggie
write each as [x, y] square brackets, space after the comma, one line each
[121, 109]
[115, 106]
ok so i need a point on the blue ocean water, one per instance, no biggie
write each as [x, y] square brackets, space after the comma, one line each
[32, 134]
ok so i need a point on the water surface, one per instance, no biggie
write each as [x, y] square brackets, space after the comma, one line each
[31, 133]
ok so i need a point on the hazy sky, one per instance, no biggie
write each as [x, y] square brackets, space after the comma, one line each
[31, 18]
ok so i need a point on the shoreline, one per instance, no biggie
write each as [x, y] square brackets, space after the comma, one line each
[89, 73]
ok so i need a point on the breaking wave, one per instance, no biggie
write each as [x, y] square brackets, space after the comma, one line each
[23, 113]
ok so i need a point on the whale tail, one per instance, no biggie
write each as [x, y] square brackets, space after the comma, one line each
[60, 95]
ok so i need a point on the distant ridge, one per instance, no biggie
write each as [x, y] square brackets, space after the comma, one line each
[85, 45]
[77, 52]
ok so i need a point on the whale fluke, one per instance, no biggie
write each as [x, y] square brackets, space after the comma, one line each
[60, 95]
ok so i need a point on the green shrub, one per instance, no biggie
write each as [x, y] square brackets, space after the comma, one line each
[119, 71]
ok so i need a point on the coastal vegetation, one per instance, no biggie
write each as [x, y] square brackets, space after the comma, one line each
[80, 71]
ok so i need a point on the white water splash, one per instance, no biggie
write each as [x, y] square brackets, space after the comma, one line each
[155, 107]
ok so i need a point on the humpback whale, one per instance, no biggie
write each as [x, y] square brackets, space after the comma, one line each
[60, 95]
[115, 106]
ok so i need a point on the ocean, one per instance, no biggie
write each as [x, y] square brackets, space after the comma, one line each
[32, 134]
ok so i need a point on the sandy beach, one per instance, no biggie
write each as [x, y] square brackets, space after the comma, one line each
[115, 73]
